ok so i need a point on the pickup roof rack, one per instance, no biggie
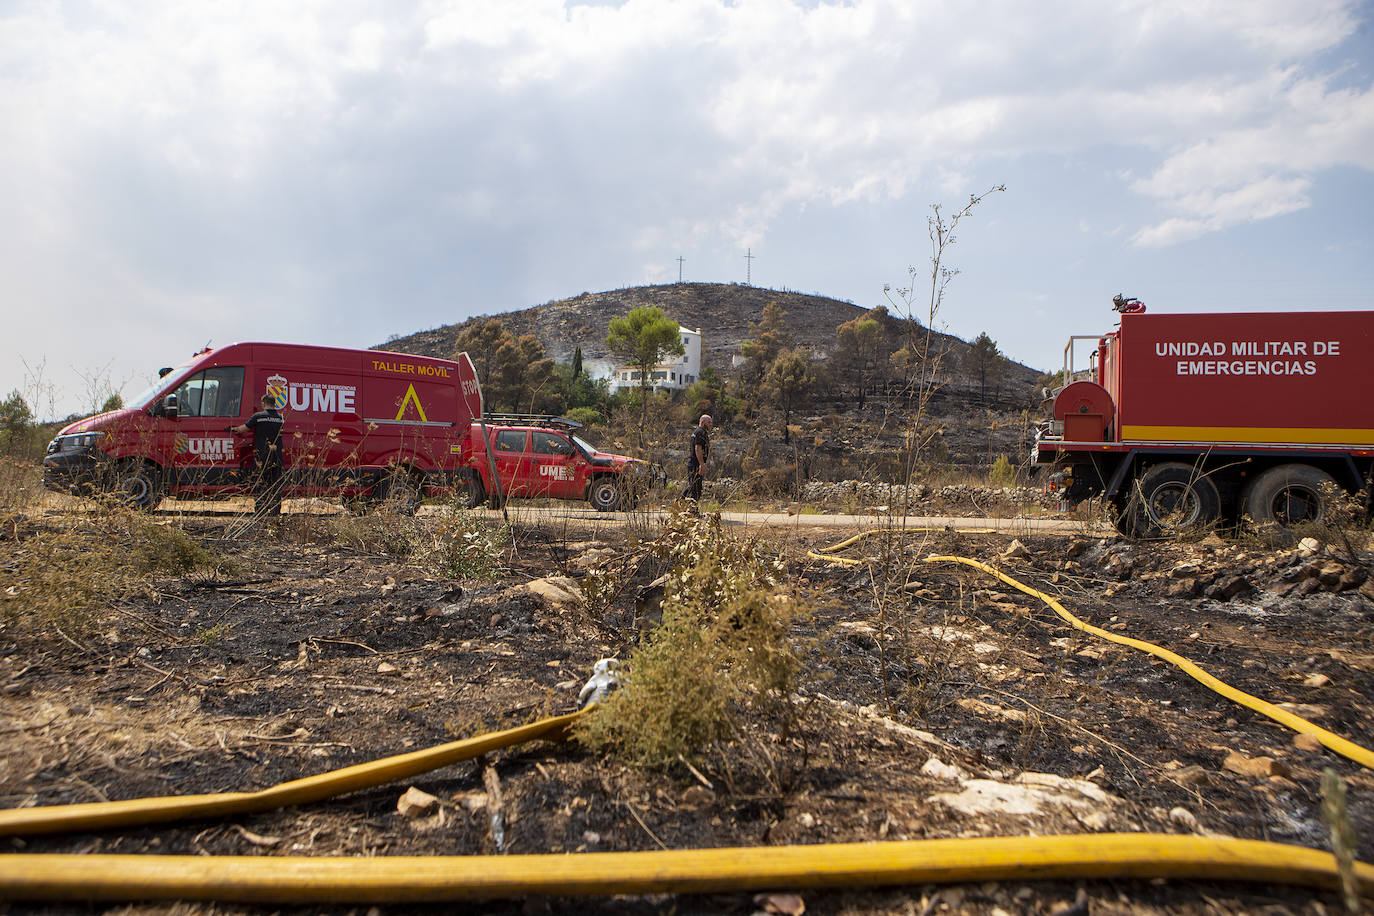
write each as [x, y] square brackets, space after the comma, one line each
[529, 419]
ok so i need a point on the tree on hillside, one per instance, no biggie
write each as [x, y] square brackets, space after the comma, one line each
[521, 373]
[481, 339]
[788, 383]
[513, 371]
[708, 395]
[641, 340]
[770, 336]
[985, 363]
[861, 350]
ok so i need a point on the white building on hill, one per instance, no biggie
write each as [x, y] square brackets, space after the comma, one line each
[678, 373]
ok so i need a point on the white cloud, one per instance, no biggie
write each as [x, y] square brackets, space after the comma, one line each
[263, 162]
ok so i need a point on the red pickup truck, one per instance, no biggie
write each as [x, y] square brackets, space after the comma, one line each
[543, 457]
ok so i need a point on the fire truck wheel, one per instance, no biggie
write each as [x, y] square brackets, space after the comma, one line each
[1289, 494]
[604, 494]
[400, 491]
[138, 484]
[1171, 499]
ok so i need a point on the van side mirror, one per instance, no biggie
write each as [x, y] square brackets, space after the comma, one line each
[167, 407]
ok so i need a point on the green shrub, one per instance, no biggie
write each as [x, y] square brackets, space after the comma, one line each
[463, 545]
[722, 651]
[1003, 472]
[587, 416]
[459, 544]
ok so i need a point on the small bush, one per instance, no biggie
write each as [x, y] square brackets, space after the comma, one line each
[20, 487]
[63, 577]
[1003, 473]
[460, 544]
[168, 550]
[587, 416]
[60, 578]
[777, 481]
[723, 650]
[463, 545]
[397, 536]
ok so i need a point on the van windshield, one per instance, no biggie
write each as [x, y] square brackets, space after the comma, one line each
[585, 445]
[144, 399]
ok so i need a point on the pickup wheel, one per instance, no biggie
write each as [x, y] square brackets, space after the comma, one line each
[604, 494]
[138, 484]
[1288, 495]
[400, 492]
[1172, 499]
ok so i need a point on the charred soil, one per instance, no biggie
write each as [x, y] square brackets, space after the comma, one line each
[923, 685]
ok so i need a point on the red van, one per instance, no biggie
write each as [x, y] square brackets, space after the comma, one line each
[359, 423]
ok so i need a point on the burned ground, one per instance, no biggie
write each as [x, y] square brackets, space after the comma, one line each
[934, 702]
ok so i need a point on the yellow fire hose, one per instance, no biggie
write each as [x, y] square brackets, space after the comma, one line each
[1355, 752]
[414, 879]
[138, 811]
[1345, 748]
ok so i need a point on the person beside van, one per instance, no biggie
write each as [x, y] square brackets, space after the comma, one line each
[266, 426]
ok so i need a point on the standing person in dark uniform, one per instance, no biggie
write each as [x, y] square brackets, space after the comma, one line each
[265, 425]
[697, 451]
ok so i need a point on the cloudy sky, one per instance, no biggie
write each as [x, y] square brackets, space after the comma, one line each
[176, 174]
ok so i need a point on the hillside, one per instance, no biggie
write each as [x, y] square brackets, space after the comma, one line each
[722, 311]
[976, 426]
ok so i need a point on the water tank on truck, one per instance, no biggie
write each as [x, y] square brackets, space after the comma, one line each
[1086, 411]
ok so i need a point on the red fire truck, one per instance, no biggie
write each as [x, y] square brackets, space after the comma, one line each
[1185, 421]
[367, 425]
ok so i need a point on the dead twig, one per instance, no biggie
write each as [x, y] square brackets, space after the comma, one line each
[344, 642]
[695, 772]
[635, 814]
[361, 688]
[1063, 721]
[492, 782]
[78, 645]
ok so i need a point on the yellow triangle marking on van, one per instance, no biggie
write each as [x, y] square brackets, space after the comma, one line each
[412, 397]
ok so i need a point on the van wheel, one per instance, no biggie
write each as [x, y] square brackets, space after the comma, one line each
[1172, 499]
[474, 493]
[400, 492]
[1288, 495]
[138, 484]
[604, 494]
